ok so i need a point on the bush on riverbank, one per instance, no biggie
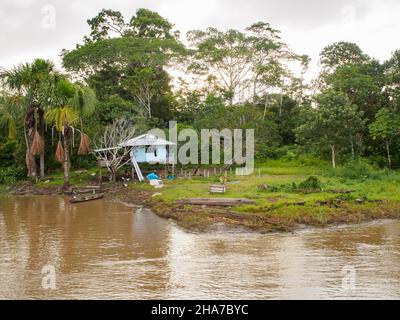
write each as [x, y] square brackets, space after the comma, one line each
[11, 175]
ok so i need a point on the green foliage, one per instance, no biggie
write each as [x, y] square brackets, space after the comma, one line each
[128, 60]
[342, 53]
[241, 80]
[356, 170]
[61, 117]
[386, 125]
[311, 183]
[7, 153]
[332, 125]
[11, 175]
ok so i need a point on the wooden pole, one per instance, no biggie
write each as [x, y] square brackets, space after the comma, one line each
[100, 172]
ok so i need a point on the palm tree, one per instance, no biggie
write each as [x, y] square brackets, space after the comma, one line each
[63, 119]
[10, 112]
[33, 82]
[70, 103]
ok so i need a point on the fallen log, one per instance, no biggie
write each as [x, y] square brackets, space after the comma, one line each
[310, 191]
[340, 191]
[218, 202]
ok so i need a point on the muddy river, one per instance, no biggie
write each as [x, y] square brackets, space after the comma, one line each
[52, 249]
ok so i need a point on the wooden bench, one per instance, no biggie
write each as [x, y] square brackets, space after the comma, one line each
[218, 188]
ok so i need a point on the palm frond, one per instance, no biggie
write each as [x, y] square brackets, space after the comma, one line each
[61, 117]
[84, 100]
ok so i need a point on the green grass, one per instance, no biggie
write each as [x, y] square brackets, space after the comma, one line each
[281, 176]
[81, 178]
[276, 208]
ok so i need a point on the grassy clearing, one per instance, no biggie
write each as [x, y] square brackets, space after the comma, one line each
[285, 205]
[279, 204]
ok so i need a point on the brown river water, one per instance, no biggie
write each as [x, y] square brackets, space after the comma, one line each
[106, 250]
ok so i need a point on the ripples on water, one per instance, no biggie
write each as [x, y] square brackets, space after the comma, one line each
[107, 250]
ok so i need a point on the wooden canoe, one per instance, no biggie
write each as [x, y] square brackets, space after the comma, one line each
[85, 198]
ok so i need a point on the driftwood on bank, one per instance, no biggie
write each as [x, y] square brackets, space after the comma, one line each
[218, 202]
[309, 191]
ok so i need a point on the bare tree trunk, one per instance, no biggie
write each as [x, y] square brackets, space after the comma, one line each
[66, 156]
[255, 89]
[42, 133]
[388, 155]
[333, 157]
[30, 157]
[29, 124]
[113, 176]
[265, 106]
[353, 154]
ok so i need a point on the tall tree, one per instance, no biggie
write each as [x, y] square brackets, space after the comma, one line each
[241, 63]
[386, 127]
[131, 63]
[340, 54]
[331, 125]
[70, 103]
[33, 82]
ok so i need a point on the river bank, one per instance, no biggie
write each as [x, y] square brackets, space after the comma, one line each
[283, 195]
[280, 203]
[277, 218]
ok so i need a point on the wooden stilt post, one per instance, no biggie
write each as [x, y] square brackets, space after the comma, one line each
[100, 172]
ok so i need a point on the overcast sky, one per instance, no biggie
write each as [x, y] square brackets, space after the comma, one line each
[307, 25]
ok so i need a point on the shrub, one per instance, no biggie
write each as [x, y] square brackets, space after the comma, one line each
[356, 170]
[311, 183]
[11, 174]
[7, 151]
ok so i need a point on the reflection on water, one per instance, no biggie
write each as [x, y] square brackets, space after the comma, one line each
[106, 250]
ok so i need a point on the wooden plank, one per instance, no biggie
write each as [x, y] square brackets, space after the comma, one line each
[222, 202]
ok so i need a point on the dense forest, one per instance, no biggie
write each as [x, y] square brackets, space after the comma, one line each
[141, 69]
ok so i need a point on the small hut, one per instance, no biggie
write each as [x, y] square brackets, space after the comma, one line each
[150, 149]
